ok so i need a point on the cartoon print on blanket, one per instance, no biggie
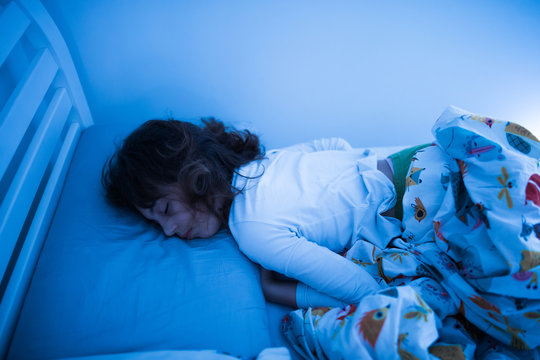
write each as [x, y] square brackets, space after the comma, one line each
[392, 321]
[470, 248]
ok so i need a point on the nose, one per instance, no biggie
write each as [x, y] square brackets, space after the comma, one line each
[168, 227]
[169, 231]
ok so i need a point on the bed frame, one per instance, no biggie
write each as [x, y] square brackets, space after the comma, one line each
[42, 114]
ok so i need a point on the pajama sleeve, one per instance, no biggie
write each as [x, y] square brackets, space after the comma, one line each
[283, 251]
[308, 297]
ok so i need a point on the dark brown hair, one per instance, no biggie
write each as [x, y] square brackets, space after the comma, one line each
[201, 160]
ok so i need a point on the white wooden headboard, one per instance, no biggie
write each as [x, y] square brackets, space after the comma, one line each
[43, 111]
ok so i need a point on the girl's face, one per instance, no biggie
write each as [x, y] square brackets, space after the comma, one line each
[176, 218]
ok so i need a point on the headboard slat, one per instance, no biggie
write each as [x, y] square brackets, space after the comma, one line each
[19, 198]
[37, 12]
[20, 276]
[13, 24]
[41, 122]
[23, 103]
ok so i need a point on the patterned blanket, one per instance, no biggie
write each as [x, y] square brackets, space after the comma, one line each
[462, 281]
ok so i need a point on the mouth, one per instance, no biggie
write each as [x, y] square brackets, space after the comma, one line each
[188, 235]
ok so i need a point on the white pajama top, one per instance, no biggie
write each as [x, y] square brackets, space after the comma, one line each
[301, 206]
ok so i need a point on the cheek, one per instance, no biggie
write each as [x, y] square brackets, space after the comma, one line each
[182, 219]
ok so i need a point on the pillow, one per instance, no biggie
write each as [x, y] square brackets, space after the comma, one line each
[109, 282]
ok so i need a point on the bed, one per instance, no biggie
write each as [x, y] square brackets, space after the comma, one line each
[78, 277]
[81, 279]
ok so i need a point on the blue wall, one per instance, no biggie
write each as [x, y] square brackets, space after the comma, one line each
[374, 72]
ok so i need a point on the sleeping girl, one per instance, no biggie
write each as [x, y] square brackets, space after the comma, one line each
[292, 210]
[346, 225]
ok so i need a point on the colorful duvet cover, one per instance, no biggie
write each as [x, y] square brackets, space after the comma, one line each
[462, 281]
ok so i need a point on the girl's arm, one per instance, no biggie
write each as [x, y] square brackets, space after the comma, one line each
[318, 267]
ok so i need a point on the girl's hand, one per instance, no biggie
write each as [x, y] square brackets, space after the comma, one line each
[276, 290]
